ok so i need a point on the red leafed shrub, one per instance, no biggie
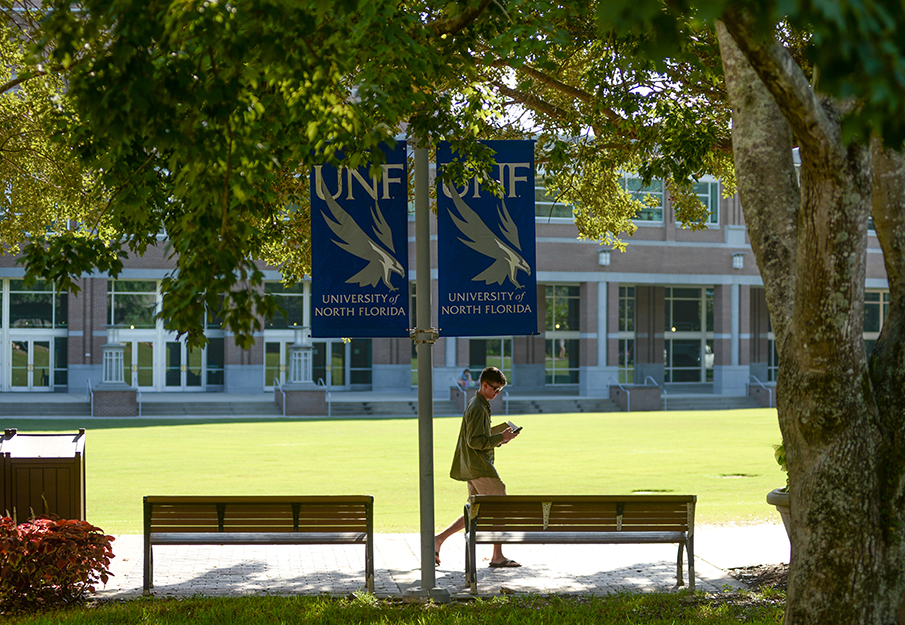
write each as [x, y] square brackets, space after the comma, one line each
[50, 562]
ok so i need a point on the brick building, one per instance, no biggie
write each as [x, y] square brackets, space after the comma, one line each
[680, 308]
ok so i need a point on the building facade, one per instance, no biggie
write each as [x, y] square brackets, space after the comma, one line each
[678, 307]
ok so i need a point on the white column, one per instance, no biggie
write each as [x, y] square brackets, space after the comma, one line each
[450, 351]
[735, 349]
[602, 288]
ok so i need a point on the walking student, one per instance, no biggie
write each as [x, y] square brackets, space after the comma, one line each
[473, 460]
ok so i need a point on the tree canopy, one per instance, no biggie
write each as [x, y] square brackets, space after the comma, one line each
[201, 118]
[45, 184]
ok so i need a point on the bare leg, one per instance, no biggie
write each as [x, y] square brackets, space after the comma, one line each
[497, 556]
[439, 539]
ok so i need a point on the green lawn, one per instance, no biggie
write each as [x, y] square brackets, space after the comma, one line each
[633, 609]
[723, 457]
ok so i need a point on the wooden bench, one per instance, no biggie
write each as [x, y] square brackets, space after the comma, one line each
[579, 519]
[259, 520]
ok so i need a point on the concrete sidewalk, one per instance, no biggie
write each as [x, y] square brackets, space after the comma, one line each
[339, 570]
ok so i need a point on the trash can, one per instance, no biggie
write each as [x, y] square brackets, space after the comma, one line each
[42, 474]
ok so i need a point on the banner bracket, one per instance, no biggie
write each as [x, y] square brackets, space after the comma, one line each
[429, 336]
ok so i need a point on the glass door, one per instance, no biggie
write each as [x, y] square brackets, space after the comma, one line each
[329, 363]
[138, 357]
[183, 367]
[275, 363]
[30, 365]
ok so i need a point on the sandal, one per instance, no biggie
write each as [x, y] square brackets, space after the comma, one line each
[505, 564]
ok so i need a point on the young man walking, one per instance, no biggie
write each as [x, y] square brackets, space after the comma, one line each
[473, 460]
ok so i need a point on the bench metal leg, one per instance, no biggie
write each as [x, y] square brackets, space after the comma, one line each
[369, 565]
[471, 569]
[689, 547]
[679, 580]
[149, 568]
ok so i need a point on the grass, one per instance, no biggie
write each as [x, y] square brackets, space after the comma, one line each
[636, 609]
[723, 457]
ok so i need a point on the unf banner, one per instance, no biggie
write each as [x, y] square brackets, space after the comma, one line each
[486, 245]
[359, 250]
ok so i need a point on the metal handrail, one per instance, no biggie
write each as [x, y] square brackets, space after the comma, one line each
[276, 383]
[662, 389]
[506, 401]
[138, 397]
[761, 384]
[91, 398]
[628, 393]
[320, 382]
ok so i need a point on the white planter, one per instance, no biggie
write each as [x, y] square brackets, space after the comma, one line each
[780, 498]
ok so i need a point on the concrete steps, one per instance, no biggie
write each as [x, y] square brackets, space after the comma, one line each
[558, 405]
[55, 409]
[385, 409]
[210, 409]
[709, 402]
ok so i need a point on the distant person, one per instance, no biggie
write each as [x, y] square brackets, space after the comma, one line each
[473, 460]
[465, 380]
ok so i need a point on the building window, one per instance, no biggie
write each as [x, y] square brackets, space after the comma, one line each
[546, 206]
[132, 303]
[360, 362]
[649, 197]
[562, 333]
[37, 306]
[626, 334]
[876, 309]
[60, 361]
[688, 344]
[708, 191]
[292, 300]
[483, 353]
[216, 361]
[772, 359]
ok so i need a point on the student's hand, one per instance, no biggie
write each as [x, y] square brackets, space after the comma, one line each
[508, 435]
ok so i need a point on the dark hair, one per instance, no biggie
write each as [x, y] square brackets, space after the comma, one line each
[492, 374]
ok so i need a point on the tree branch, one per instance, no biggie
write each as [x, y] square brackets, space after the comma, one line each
[18, 80]
[788, 85]
[767, 181]
[888, 212]
[534, 103]
[454, 25]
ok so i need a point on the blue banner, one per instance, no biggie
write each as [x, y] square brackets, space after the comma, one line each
[487, 272]
[359, 250]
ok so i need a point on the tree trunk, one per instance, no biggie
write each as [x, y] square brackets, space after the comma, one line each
[842, 442]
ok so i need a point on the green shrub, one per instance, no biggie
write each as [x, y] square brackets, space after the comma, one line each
[50, 562]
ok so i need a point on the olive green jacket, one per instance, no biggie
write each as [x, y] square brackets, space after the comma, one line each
[474, 450]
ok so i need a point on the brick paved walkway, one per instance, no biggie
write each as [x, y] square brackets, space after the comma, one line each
[339, 570]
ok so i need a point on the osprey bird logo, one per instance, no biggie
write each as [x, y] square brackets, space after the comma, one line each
[351, 238]
[507, 259]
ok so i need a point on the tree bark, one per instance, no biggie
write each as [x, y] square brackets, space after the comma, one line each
[842, 438]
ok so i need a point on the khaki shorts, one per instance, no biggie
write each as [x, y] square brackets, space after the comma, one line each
[486, 486]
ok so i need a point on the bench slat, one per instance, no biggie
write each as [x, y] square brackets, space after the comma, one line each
[215, 499]
[538, 527]
[546, 538]
[246, 538]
